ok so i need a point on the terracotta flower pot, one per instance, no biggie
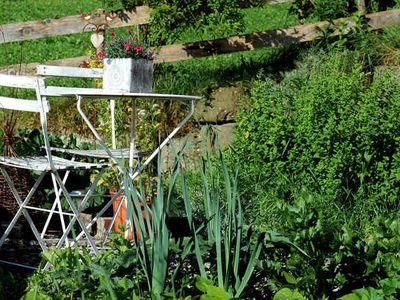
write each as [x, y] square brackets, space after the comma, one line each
[121, 216]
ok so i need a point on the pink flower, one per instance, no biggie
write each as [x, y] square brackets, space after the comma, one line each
[106, 54]
[127, 46]
[112, 33]
[138, 49]
[129, 31]
[100, 54]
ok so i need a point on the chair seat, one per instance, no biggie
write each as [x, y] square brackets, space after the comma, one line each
[100, 153]
[41, 163]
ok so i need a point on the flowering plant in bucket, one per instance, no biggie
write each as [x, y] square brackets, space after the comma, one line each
[127, 64]
[125, 46]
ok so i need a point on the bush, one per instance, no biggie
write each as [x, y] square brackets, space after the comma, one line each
[332, 127]
[319, 150]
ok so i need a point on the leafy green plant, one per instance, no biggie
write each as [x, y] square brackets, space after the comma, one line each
[226, 234]
[306, 130]
[318, 151]
[322, 9]
[156, 265]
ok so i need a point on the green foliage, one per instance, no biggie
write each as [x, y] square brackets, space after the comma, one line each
[288, 294]
[319, 150]
[330, 126]
[338, 259]
[156, 265]
[12, 283]
[79, 275]
[210, 291]
[322, 9]
[225, 233]
[329, 10]
[170, 18]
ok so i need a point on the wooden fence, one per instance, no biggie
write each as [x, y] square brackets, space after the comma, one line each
[247, 42]
[75, 24]
[67, 25]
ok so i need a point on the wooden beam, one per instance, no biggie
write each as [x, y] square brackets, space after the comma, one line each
[362, 6]
[273, 38]
[74, 24]
[66, 25]
[251, 41]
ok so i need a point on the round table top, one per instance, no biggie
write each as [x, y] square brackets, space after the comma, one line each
[98, 93]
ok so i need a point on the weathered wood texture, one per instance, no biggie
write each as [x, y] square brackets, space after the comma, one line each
[251, 41]
[74, 24]
[66, 25]
[273, 38]
[277, 1]
[362, 6]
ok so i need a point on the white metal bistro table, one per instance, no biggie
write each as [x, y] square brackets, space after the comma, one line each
[83, 94]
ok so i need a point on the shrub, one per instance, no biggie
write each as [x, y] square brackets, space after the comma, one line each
[331, 126]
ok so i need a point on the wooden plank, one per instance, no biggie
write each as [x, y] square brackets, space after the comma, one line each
[30, 69]
[61, 90]
[65, 25]
[19, 104]
[273, 38]
[60, 71]
[247, 42]
[277, 1]
[362, 6]
[25, 82]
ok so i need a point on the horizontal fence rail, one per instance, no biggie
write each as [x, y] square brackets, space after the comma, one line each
[67, 25]
[74, 24]
[251, 41]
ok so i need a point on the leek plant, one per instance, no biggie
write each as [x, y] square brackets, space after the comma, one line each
[222, 231]
[155, 265]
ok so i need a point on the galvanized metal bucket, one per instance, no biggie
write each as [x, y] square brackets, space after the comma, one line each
[127, 74]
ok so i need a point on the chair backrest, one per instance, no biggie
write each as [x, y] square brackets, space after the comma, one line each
[57, 71]
[65, 72]
[72, 72]
[38, 105]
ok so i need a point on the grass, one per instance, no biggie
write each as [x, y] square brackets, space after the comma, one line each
[52, 48]
[30, 10]
[197, 76]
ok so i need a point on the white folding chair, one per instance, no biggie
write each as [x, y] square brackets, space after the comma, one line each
[46, 164]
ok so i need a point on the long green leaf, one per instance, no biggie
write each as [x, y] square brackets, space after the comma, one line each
[238, 246]
[249, 270]
[218, 249]
[199, 254]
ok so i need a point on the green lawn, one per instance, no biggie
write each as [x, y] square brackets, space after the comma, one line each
[47, 49]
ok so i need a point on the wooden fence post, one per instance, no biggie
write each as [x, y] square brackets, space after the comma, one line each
[362, 7]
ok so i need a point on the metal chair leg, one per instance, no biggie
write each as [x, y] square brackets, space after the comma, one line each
[22, 208]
